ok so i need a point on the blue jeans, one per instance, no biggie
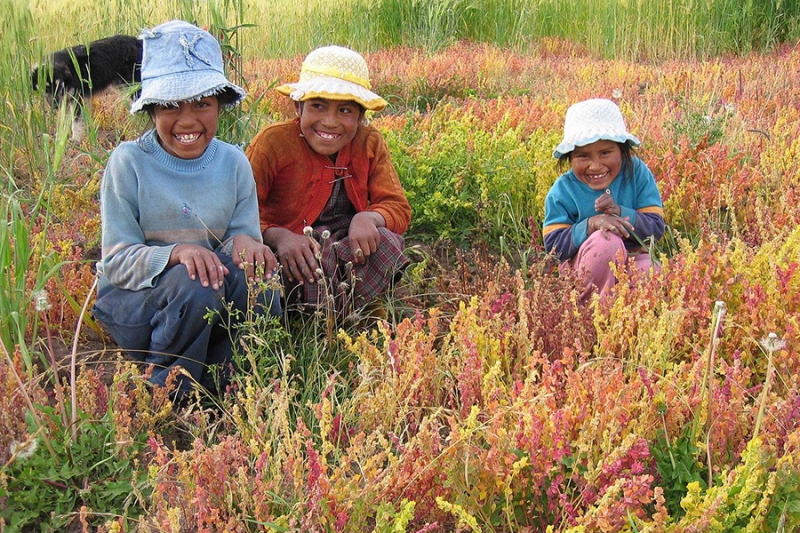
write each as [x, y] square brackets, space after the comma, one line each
[165, 325]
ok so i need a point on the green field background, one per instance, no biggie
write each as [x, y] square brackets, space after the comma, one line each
[636, 29]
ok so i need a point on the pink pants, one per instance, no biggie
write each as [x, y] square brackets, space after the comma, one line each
[594, 259]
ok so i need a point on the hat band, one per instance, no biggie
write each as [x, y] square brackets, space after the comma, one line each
[335, 73]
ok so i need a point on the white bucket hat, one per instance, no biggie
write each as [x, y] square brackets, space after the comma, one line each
[181, 62]
[591, 121]
[334, 73]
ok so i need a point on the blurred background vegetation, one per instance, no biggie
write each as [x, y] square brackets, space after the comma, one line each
[631, 29]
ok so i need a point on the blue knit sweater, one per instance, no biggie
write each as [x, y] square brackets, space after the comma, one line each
[151, 201]
[570, 204]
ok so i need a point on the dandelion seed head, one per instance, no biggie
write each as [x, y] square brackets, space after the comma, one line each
[40, 301]
[772, 343]
[326, 235]
[23, 450]
[308, 231]
[319, 272]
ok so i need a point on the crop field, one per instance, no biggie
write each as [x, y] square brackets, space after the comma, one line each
[490, 399]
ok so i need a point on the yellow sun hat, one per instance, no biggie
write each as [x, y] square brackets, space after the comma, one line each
[334, 73]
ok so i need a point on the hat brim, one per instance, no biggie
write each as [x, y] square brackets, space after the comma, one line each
[332, 89]
[169, 90]
[568, 146]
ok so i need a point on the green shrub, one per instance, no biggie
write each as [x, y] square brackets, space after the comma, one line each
[468, 180]
[89, 469]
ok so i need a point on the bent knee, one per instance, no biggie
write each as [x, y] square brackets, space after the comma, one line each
[194, 295]
[604, 248]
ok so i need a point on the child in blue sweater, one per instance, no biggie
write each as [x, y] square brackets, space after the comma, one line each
[600, 212]
[180, 225]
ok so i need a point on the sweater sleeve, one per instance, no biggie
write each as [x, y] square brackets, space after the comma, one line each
[559, 242]
[563, 235]
[647, 215]
[127, 262]
[245, 218]
[386, 194]
[260, 155]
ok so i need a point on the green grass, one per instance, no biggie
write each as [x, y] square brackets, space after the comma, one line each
[636, 29]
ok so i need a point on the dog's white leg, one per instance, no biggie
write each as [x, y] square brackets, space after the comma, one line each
[80, 110]
[78, 130]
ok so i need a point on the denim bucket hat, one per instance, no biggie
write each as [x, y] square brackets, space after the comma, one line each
[591, 121]
[181, 62]
[334, 73]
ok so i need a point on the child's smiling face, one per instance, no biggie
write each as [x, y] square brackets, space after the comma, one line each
[597, 164]
[187, 129]
[329, 125]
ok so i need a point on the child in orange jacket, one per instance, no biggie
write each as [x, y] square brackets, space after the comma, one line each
[331, 203]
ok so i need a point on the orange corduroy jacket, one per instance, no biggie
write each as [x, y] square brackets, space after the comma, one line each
[294, 182]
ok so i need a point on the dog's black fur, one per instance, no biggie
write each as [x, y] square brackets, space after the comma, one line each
[80, 71]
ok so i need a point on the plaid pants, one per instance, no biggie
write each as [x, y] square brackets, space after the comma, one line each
[346, 285]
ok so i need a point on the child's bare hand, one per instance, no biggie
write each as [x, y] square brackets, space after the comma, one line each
[201, 263]
[297, 255]
[605, 204]
[255, 258]
[363, 234]
[620, 227]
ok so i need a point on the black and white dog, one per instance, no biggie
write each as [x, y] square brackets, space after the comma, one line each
[76, 73]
